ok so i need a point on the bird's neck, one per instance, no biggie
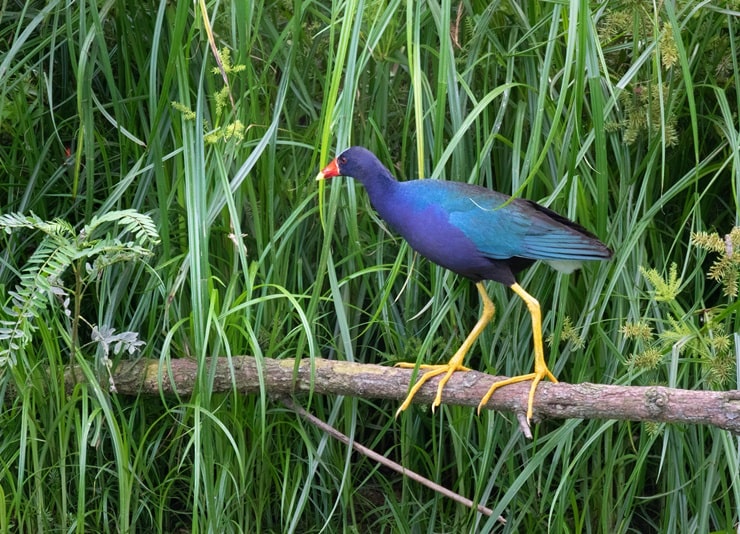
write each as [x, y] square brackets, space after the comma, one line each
[380, 187]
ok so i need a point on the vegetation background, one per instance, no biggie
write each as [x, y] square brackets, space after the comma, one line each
[621, 115]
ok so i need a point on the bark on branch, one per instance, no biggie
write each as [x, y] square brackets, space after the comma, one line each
[329, 377]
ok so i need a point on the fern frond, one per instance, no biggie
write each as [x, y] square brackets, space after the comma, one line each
[107, 253]
[140, 225]
[60, 249]
[31, 296]
[15, 221]
[12, 221]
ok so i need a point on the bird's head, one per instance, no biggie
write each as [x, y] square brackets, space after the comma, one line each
[356, 161]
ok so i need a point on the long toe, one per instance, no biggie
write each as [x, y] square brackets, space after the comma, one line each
[535, 377]
[500, 384]
[430, 371]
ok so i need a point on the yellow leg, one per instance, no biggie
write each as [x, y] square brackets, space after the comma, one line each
[456, 362]
[540, 367]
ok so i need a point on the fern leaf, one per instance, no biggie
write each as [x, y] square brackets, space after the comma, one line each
[138, 224]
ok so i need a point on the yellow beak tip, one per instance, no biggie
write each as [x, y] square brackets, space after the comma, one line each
[320, 176]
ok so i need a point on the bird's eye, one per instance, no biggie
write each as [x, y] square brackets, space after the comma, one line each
[342, 160]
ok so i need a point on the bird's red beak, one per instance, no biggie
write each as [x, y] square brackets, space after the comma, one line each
[329, 171]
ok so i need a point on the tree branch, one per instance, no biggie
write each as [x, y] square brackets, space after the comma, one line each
[328, 377]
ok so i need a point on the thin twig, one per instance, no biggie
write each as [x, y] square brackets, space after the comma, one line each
[385, 461]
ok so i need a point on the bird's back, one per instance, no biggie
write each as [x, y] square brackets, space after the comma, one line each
[464, 227]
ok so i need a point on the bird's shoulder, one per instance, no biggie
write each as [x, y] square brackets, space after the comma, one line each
[452, 196]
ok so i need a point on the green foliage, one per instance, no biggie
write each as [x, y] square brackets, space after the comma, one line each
[622, 116]
[702, 336]
[568, 333]
[726, 268]
[61, 249]
[665, 290]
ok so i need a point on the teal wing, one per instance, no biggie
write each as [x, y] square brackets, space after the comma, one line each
[502, 227]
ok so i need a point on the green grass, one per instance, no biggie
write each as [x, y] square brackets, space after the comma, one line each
[622, 116]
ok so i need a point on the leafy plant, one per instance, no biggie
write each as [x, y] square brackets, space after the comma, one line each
[704, 335]
[85, 253]
[726, 267]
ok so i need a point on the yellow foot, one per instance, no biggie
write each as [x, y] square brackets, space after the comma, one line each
[536, 377]
[456, 362]
[431, 371]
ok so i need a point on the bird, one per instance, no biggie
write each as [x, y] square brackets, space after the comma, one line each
[480, 234]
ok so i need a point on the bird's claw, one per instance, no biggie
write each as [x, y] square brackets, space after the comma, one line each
[431, 371]
[535, 377]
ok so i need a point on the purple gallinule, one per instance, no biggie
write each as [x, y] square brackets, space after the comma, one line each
[479, 234]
